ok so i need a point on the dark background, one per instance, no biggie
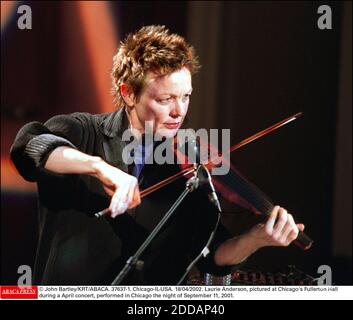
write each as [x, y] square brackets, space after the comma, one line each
[262, 62]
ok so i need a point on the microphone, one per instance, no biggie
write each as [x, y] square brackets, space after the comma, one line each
[202, 173]
[205, 181]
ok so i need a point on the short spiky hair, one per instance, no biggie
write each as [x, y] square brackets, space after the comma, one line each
[152, 48]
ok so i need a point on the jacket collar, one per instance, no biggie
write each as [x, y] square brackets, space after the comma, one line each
[114, 123]
[112, 126]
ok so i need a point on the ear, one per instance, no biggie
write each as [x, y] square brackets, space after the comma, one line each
[127, 94]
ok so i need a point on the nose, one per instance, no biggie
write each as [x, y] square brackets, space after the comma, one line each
[178, 109]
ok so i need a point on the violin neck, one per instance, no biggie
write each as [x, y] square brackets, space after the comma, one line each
[255, 198]
[258, 201]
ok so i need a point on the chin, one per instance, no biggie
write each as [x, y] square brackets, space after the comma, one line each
[167, 133]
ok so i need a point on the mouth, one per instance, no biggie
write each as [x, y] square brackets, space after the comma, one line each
[172, 125]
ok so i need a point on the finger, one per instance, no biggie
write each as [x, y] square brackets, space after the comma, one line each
[109, 191]
[300, 226]
[292, 236]
[113, 205]
[117, 205]
[120, 207]
[126, 190]
[287, 229]
[130, 195]
[271, 220]
[113, 200]
[137, 197]
[281, 222]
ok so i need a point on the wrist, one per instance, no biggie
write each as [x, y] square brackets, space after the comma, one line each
[235, 250]
[254, 237]
[96, 165]
[253, 242]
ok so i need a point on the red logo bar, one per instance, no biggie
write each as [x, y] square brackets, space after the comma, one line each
[15, 292]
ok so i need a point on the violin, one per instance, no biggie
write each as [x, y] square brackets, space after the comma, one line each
[234, 186]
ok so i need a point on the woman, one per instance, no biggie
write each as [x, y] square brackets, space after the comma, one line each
[77, 163]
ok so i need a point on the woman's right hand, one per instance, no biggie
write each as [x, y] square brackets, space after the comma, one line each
[122, 187]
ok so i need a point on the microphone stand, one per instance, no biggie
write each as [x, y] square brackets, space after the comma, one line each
[191, 185]
[205, 180]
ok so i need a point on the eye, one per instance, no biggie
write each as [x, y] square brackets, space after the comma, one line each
[164, 100]
[186, 97]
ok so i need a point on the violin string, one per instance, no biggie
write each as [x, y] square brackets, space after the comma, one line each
[248, 191]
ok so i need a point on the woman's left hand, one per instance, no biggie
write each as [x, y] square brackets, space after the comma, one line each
[279, 230]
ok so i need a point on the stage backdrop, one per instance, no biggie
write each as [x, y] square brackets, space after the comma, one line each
[262, 61]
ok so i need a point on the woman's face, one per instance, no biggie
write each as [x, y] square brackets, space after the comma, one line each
[163, 103]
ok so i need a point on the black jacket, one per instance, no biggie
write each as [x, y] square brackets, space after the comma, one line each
[74, 247]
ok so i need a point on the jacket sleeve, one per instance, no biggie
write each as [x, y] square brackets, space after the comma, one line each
[208, 265]
[35, 141]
